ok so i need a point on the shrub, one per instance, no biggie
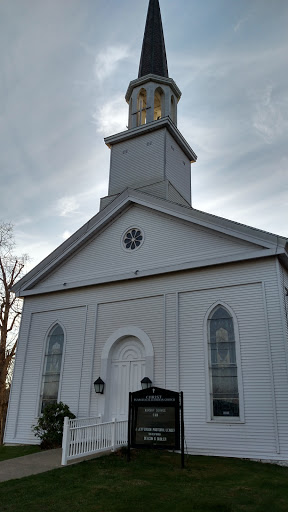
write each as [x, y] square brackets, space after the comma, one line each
[49, 427]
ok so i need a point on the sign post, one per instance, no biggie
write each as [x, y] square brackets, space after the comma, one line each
[182, 429]
[129, 427]
[156, 420]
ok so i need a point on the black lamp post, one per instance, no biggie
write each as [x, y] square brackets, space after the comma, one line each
[146, 383]
[99, 386]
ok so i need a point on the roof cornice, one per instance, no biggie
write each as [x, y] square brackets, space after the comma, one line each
[165, 122]
[153, 78]
[163, 269]
[73, 242]
[275, 244]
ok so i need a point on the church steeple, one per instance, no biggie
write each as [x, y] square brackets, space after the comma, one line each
[153, 56]
[153, 95]
[151, 156]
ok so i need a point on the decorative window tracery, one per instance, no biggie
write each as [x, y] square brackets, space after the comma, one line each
[52, 367]
[133, 238]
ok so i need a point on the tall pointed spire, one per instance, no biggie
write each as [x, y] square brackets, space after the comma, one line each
[151, 155]
[153, 57]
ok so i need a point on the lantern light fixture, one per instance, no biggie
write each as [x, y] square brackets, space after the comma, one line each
[146, 383]
[99, 386]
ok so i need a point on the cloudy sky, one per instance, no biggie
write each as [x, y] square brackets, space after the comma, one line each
[65, 66]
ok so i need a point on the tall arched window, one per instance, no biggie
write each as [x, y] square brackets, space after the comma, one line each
[141, 107]
[52, 367]
[158, 103]
[222, 364]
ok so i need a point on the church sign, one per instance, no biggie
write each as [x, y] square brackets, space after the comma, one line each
[156, 420]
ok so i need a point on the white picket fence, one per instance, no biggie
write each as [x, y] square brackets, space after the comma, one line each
[86, 436]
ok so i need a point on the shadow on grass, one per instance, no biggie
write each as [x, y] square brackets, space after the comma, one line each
[152, 481]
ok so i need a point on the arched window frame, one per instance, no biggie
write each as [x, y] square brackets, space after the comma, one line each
[130, 113]
[45, 345]
[173, 108]
[159, 91]
[142, 107]
[209, 404]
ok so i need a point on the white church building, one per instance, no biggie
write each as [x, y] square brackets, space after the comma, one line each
[151, 287]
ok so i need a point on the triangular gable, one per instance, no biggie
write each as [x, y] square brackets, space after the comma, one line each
[167, 241]
[176, 238]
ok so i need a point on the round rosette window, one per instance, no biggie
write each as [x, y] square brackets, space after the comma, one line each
[133, 239]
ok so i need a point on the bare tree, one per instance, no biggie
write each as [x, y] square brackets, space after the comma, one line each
[11, 269]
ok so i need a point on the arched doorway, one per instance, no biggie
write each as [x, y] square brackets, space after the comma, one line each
[125, 345]
[127, 371]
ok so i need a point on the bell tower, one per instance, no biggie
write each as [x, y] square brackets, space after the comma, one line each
[152, 155]
[153, 95]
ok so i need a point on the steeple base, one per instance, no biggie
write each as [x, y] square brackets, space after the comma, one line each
[162, 189]
[149, 154]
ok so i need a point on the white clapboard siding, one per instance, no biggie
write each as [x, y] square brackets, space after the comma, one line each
[104, 201]
[247, 303]
[274, 297]
[175, 196]
[137, 162]
[178, 168]
[158, 189]
[286, 299]
[26, 388]
[165, 190]
[284, 285]
[283, 367]
[140, 302]
[147, 159]
[171, 345]
[87, 387]
[167, 240]
[14, 396]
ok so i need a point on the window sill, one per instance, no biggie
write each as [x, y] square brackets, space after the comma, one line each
[224, 421]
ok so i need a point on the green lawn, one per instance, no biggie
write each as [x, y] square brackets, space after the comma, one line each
[151, 482]
[10, 452]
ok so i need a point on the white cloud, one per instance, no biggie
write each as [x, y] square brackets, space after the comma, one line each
[268, 119]
[35, 246]
[112, 116]
[67, 206]
[240, 22]
[107, 60]
[66, 234]
[22, 221]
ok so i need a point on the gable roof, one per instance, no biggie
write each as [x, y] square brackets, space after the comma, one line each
[167, 243]
[269, 243]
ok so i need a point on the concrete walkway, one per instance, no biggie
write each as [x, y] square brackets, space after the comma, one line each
[30, 464]
[38, 463]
